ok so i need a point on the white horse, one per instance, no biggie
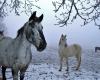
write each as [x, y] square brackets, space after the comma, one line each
[16, 53]
[66, 51]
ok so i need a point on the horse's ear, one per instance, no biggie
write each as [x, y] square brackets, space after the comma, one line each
[40, 18]
[65, 36]
[32, 16]
[62, 35]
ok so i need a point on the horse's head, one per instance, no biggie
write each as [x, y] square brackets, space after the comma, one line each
[34, 32]
[63, 40]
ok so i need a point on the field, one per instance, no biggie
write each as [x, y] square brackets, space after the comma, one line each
[45, 66]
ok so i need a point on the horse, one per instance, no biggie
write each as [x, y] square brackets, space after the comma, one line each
[66, 51]
[15, 53]
[1, 35]
[97, 48]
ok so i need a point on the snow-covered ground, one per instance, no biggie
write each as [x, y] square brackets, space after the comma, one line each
[45, 66]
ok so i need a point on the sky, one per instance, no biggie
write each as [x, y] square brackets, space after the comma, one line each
[87, 36]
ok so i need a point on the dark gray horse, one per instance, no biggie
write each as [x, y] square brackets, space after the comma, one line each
[97, 48]
[16, 53]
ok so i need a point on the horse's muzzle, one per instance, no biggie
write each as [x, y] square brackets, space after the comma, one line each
[42, 46]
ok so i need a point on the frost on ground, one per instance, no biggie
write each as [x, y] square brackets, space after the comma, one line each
[45, 66]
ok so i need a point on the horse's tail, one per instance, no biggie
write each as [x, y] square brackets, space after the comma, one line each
[79, 50]
[78, 54]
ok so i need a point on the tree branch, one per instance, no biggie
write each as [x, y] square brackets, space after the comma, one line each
[18, 6]
[87, 10]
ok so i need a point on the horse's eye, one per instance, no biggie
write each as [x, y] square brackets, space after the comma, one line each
[63, 39]
[30, 24]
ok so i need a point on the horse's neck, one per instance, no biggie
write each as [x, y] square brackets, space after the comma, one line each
[21, 41]
[63, 46]
[66, 45]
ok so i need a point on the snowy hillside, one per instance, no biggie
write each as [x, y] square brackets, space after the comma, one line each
[45, 65]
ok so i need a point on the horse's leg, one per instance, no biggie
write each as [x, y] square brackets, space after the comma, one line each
[79, 61]
[15, 74]
[67, 64]
[95, 49]
[3, 73]
[22, 72]
[61, 60]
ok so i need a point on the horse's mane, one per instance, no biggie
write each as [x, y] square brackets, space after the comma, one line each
[20, 31]
[66, 45]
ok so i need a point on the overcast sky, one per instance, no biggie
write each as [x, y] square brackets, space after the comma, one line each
[87, 36]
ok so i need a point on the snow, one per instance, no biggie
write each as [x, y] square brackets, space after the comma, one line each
[45, 66]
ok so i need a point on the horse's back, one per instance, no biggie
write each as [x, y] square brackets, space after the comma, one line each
[77, 47]
[73, 50]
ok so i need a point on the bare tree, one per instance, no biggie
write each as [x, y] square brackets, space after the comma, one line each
[70, 10]
[18, 6]
[3, 28]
